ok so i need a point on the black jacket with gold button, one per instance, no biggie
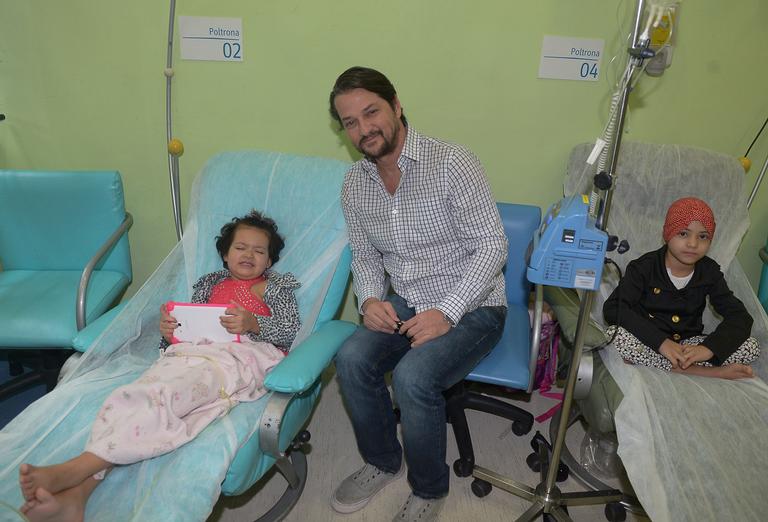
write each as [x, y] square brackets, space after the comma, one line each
[648, 305]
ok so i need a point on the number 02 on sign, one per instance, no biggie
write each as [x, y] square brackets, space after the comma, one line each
[205, 38]
[565, 58]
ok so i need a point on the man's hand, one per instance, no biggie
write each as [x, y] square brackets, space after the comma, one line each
[672, 351]
[167, 324]
[425, 326]
[238, 320]
[694, 353]
[379, 316]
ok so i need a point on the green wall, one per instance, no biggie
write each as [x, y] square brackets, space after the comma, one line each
[82, 85]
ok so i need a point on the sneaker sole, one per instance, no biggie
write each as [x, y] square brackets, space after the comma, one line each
[346, 509]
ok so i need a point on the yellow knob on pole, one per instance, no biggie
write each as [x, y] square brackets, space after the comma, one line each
[175, 147]
[746, 163]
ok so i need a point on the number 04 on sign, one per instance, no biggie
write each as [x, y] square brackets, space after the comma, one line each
[203, 38]
[564, 58]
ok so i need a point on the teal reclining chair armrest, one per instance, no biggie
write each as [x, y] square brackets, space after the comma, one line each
[304, 364]
[85, 278]
[293, 380]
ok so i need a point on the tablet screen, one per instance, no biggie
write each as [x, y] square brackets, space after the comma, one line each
[199, 322]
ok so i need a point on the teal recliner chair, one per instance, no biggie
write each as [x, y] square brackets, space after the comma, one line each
[65, 260]
[302, 195]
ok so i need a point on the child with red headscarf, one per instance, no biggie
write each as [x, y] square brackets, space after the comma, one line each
[656, 310]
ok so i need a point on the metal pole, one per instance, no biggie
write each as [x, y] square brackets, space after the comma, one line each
[173, 162]
[557, 447]
[589, 296]
[634, 64]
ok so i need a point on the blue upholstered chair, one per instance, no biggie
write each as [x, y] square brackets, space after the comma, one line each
[65, 260]
[511, 363]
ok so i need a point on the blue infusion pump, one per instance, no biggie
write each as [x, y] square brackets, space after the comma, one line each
[571, 249]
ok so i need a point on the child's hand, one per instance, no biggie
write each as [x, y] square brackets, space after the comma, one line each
[167, 324]
[672, 351]
[238, 320]
[696, 353]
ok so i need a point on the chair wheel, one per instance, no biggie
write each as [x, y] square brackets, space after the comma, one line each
[520, 428]
[562, 473]
[481, 488]
[615, 512]
[534, 464]
[463, 467]
[538, 439]
[300, 440]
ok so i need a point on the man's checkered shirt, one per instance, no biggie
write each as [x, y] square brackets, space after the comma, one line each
[439, 238]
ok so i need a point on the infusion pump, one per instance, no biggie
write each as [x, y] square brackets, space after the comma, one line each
[569, 250]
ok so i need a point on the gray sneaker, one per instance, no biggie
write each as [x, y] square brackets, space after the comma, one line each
[417, 509]
[360, 487]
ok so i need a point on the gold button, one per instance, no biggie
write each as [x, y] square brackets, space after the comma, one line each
[675, 318]
[657, 291]
[676, 337]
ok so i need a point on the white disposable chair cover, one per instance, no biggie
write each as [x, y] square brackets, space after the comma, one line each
[694, 448]
[185, 484]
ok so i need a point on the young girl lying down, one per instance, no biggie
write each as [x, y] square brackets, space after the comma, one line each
[190, 385]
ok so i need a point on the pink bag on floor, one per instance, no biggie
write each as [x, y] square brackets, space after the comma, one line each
[546, 365]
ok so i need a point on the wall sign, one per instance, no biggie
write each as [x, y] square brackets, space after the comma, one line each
[204, 38]
[564, 58]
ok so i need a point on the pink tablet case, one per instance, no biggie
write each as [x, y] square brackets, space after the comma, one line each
[171, 305]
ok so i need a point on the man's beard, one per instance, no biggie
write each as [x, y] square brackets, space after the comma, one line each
[386, 148]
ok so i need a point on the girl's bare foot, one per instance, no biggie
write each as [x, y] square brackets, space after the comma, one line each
[52, 479]
[67, 506]
[59, 476]
[737, 371]
[731, 371]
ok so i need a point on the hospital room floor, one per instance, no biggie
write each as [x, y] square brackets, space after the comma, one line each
[334, 455]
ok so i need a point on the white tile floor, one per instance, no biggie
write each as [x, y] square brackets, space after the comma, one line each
[334, 455]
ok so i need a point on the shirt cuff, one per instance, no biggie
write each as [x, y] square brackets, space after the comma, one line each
[361, 301]
[452, 307]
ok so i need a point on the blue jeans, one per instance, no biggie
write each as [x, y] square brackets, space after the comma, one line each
[419, 376]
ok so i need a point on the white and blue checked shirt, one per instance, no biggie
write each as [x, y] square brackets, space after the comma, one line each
[439, 238]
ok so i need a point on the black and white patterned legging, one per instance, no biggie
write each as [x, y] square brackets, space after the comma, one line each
[633, 350]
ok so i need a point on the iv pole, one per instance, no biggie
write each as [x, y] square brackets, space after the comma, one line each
[546, 497]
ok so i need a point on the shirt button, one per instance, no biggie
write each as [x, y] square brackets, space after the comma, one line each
[676, 337]
[394, 211]
[675, 318]
[657, 291]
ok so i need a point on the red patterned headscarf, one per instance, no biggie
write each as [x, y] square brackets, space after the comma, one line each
[683, 212]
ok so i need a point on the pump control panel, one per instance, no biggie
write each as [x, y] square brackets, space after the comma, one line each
[570, 250]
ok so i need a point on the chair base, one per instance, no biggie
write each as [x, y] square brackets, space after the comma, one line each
[294, 468]
[552, 504]
[45, 367]
[459, 399]
[584, 477]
